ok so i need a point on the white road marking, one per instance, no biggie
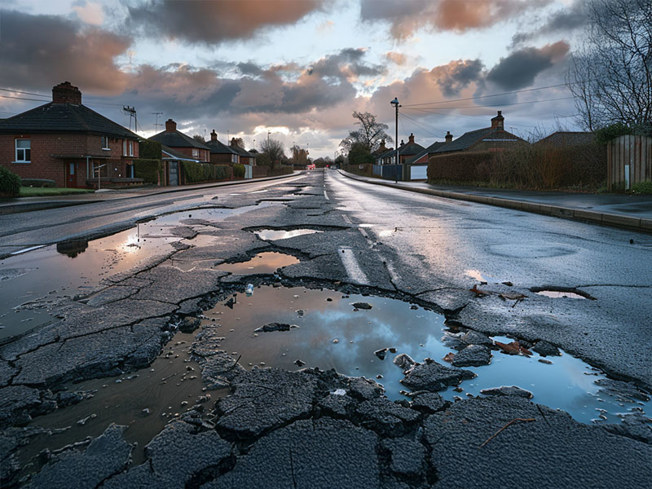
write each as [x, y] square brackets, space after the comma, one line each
[326, 195]
[32, 248]
[346, 219]
[351, 266]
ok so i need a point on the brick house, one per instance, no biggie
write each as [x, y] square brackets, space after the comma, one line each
[182, 144]
[493, 138]
[67, 142]
[220, 152]
[246, 158]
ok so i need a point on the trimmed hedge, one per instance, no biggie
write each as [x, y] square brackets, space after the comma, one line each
[147, 169]
[204, 172]
[362, 169]
[150, 150]
[238, 171]
[9, 183]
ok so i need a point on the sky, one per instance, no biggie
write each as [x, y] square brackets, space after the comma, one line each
[296, 70]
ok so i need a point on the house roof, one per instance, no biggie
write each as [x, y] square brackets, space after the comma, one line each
[218, 147]
[426, 151]
[64, 118]
[241, 151]
[176, 139]
[568, 138]
[410, 149]
[468, 139]
[175, 155]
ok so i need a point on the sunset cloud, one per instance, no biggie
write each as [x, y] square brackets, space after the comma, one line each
[444, 15]
[216, 21]
[39, 51]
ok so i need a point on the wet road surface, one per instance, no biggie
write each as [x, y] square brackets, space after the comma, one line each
[169, 308]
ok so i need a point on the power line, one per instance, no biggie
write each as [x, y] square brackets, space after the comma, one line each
[501, 105]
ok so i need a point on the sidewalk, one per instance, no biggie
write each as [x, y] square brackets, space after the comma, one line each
[618, 210]
[27, 204]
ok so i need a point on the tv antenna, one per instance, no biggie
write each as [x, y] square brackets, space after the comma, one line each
[157, 124]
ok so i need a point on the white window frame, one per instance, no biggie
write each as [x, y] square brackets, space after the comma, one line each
[234, 158]
[26, 153]
[124, 147]
[105, 142]
[131, 148]
[195, 153]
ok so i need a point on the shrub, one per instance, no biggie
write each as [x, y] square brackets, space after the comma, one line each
[9, 183]
[147, 169]
[238, 170]
[150, 150]
[205, 172]
[642, 187]
[460, 167]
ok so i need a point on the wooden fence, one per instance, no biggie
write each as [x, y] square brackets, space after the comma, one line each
[629, 161]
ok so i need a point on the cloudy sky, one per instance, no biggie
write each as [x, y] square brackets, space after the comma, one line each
[297, 68]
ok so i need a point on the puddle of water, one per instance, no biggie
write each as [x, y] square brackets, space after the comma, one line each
[267, 262]
[170, 386]
[557, 294]
[68, 269]
[276, 234]
[331, 334]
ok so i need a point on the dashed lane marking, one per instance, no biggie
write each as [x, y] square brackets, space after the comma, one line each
[351, 266]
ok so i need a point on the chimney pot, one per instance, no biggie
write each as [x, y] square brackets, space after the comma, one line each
[498, 122]
[411, 138]
[65, 93]
[170, 126]
[213, 135]
[449, 137]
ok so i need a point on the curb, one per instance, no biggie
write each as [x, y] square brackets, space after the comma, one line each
[612, 220]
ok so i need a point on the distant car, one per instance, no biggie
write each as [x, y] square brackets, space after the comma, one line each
[310, 167]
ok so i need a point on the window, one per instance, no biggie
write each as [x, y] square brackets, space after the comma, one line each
[105, 142]
[23, 151]
[124, 147]
[234, 158]
[195, 153]
[131, 148]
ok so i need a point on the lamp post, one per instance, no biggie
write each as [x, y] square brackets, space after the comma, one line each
[396, 106]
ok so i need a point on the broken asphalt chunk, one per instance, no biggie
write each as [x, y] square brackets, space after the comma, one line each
[433, 376]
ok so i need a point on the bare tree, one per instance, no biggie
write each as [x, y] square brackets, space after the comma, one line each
[368, 135]
[274, 149]
[611, 76]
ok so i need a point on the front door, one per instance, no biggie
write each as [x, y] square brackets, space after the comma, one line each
[174, 173]
[71, 175]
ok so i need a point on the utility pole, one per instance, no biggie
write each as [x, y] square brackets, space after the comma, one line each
[396, 104]
[132, 113]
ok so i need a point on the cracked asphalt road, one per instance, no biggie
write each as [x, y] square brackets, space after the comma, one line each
[320, 429]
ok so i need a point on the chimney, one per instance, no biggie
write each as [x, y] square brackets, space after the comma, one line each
[402, 143]
[233, 143]
[449, 137]
[213, 135]
[170, 126]
[411, 138]
[382, 146]
[65, 93]
[498, 122]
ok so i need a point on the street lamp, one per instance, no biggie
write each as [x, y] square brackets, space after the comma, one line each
[396, 106]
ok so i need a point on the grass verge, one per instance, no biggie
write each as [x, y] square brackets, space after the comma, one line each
[51, 191]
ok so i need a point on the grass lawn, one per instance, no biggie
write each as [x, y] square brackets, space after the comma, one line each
[47, 191]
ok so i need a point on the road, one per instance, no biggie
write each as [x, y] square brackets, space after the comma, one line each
[139, 329]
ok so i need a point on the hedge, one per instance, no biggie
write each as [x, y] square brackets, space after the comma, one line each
[147, 169]
[204, 172]
[150, 150]
[238, 170]
[9, 183]
[534, 166]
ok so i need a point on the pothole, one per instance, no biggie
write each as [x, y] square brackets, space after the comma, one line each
[144, 401]
[279, 234]
[561, 293]
[263, 263]
[323, 328]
